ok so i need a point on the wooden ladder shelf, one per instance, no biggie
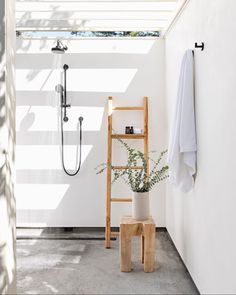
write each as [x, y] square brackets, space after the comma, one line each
[144, 137]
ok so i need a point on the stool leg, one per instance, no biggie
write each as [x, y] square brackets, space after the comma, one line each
[149, 247]
[142, 249]
[125, 249]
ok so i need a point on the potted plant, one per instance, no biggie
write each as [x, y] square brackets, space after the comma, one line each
[139, 180]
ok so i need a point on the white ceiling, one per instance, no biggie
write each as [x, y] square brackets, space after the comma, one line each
[96, 15]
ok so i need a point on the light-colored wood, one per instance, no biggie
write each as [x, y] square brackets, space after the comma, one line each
[142, 249]
[109, 157]
[145, 147]
[128, 108]
[115, 234]
[127, 219]
[127, 167]
[128, 136]
[130, 227]
[125, 248]
[149, 234]
[121, 199]
[111, 136]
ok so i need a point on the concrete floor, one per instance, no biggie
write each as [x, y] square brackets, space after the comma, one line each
[66, 266]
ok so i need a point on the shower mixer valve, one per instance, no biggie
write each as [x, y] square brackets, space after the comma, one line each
[65, 106]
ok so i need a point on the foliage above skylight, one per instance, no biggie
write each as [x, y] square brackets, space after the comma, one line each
[78, 34]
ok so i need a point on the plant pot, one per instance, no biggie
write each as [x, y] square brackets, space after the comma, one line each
[140, 206]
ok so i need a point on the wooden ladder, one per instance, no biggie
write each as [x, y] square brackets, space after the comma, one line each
[143, 136]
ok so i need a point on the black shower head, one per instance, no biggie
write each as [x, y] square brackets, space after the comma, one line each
[59, 48]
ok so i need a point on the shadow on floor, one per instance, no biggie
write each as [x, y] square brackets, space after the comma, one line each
[53, 266]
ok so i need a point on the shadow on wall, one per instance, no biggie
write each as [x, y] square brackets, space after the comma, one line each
[45, 195]
[7, 140]
[8, 213]
[26, 20]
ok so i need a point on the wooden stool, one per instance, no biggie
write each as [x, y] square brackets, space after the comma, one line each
[130, 227]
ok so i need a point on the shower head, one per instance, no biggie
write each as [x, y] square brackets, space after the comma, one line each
[59, 48]
[59, 88]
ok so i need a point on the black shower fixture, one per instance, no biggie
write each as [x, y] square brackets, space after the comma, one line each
[63, 91]
[64, 118]
[64, 104]
[59, 48]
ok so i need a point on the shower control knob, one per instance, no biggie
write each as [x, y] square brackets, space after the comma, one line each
[65, 119]
[81, 119]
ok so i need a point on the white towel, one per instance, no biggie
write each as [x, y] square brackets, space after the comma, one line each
[182, 153]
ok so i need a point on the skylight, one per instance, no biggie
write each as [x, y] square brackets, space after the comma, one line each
[96, 16]
[85, 34]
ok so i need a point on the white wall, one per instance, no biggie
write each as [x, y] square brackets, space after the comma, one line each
[202, 223]
[7, 148]
[127, 69]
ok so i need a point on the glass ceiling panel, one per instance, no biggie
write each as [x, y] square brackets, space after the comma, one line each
[96, 15]
[31, 6]
[79, 34]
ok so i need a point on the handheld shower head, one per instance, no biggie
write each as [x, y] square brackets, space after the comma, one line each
[59, 88]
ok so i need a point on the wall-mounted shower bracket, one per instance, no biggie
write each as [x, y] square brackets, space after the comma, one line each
[64, 104]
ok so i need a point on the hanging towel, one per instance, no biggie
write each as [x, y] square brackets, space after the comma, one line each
[182, 153]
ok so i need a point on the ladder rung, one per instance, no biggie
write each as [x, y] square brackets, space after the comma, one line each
[128, 108]
[121, 199]
[115, 233]
[127, 167]
[128, 136]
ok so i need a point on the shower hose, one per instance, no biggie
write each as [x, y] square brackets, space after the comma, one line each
[62, 146]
